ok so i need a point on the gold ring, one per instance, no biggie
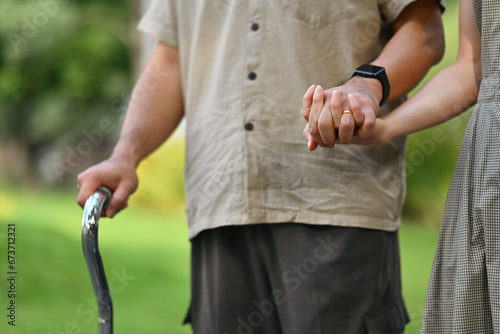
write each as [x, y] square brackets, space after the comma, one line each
[346, 112]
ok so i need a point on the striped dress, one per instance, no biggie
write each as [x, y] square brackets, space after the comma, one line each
[464, 288]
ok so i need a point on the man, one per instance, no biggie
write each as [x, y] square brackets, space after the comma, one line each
[283, 240]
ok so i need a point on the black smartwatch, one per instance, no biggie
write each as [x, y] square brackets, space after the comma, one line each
[375, 72]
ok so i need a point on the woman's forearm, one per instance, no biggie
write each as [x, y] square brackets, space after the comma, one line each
[446, 95]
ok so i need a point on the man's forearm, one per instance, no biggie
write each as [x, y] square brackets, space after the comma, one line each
[155, 108]
[417, 44]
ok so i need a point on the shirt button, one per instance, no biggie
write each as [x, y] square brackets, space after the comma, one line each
[249, 126]
[252, 75]
[255, 26]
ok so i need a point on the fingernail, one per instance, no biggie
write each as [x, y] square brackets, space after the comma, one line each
[336, 95]
[350, 97]
[317, 91]
[111, 213]
[309, 90]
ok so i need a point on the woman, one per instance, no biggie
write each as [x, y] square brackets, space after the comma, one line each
[464, 288]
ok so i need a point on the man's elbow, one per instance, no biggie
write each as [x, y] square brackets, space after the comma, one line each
[433, 31]
[424, 17]
[435, 44]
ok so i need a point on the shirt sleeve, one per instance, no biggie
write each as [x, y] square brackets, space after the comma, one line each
[160, 21]
[391, 9]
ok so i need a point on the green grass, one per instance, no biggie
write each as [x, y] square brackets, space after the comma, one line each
[54, 293]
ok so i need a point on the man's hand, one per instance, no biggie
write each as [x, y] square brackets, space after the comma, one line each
[115, 173]
[324, 112]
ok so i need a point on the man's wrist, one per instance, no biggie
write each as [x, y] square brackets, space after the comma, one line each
[373, 86]
[375, 72]
[125, 154]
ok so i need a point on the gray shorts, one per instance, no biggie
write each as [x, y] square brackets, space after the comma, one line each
[296, 278]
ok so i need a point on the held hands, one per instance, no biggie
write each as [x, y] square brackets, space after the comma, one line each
[344, 114]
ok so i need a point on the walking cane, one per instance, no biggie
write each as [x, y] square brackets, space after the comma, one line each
[97, 202]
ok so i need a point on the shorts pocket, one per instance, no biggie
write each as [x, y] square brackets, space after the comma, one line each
[319, 13]
[391, 319]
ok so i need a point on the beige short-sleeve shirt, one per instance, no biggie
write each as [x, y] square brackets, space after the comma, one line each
[245, 66]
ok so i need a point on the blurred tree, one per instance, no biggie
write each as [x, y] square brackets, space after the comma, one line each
[64, 67]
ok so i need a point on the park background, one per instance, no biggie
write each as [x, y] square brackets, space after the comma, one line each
[67, 74]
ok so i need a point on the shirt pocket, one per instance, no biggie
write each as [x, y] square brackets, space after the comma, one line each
[319, 13]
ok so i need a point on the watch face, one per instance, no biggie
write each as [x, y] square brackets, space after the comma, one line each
[370, 69]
